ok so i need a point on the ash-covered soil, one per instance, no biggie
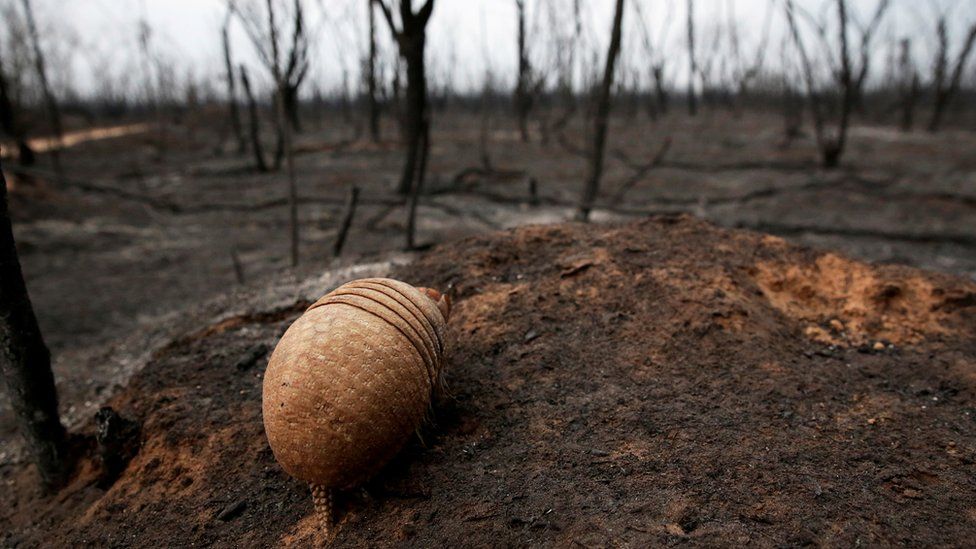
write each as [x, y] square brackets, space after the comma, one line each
[140, 233]
[653, 383]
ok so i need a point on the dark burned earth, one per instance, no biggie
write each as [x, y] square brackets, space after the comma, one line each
[650, 383]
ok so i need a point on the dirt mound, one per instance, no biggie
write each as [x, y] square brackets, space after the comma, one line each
[608, 385]
[845, 302]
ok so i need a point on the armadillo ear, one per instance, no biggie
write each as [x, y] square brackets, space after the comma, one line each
[443, 301]
[444, 304]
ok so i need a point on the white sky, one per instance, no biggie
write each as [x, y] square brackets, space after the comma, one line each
[95, 41]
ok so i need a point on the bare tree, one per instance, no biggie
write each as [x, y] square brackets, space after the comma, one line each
[746, 72]
[411, 39]
[847, 78]
[595, 171]
[692, 60]
[396, 103]
[152, 75]
[255, 121]
[288, 69]
[284, 89]
[945, 85]
[566, 57]
[371, 87]
[831, 146]
[709, 71]
[26, 364]
[295, 69]
[658, 98]
[864, 51]
[53, 111]
[287, 66]
[233, 108]
[524, 93]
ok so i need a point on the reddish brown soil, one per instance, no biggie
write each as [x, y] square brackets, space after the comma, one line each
[649, 383]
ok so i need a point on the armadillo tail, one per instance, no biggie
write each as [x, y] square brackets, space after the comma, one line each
[322, 500]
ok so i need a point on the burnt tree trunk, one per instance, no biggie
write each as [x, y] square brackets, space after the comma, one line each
[692, 61]
[485, 130]
[255, 122]
[909, 87]
[659, 90]
[523, 95]
[26, 364]
[416, 112]
[908, 103]
[657, 97]
[289, 153]
[233, 108]
[348, 212]
[418, 187]
[283, 91]
[833, 149]
[11, 125]
[864, 56]
[291, 104]
[371, 88]
[295, 68]
[412, 39]
[830, 143]
[792, 108]
[595, 172]
[397, 100]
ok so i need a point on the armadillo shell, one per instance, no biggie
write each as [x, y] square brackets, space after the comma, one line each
[351, 380]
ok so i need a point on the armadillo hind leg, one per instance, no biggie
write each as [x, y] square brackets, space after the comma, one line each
[322, 500]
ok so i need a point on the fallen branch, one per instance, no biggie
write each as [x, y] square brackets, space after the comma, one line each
[176, 208]
[152, 202]
[487, 172]
[740, 166]
[457, 182]
[372, 222]
[451, 210]
[640, 170]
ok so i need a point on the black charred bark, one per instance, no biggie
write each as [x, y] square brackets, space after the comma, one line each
[26, 364]
[523, 93]
[234, 111]
[412, 40]
[371, 87]
[255, 122]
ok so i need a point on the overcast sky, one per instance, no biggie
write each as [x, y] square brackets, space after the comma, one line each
[94, 41]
